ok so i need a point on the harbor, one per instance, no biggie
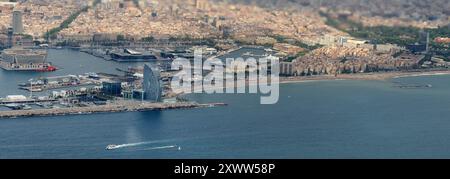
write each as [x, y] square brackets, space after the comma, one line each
[78, 88]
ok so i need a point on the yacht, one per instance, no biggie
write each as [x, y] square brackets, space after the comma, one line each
[26, 107]
[14, 106]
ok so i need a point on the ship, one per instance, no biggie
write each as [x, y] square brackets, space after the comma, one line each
[19, 59]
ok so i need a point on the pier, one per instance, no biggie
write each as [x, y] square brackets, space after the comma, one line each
[30, 101]
[114, 107]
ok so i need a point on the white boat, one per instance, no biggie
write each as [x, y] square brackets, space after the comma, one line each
[14, 106]
[18, 106]
[112, 147]
[26, 107]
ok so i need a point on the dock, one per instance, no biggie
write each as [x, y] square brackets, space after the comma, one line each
[114, 107]
[29, 101]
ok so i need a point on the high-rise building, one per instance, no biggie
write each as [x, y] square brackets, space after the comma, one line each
[152, 85]
[17, 22]
[10, 37]
[428, 42]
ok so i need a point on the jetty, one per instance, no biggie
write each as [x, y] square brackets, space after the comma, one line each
[113, 107]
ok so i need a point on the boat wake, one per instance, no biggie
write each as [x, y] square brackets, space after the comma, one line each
[114, 147]
[164, 147]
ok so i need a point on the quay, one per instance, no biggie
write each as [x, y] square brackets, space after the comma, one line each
[31, 101]
[113, 107]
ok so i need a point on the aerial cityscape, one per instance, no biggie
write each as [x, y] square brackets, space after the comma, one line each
[224, 78]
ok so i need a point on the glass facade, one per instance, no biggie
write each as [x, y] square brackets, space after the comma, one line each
[112, 88]
[152, 85]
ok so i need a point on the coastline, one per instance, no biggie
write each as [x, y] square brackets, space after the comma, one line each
[380, 76]
[363, 76]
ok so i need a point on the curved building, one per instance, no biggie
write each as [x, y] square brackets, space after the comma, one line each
[152, 85]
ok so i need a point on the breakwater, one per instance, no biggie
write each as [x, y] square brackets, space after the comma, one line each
[114, 107]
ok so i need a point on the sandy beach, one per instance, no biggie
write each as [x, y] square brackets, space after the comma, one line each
[303, 79]
[363, 76]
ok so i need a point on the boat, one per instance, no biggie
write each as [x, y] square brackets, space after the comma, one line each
[112, 147]
[26, 107]
[18, 106]
[414, 86]
[93, 76]
[14, 106]
[47, 68]
[34, 89]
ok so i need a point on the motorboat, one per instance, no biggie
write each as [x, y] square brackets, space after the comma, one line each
[112, 147]
[26, 107]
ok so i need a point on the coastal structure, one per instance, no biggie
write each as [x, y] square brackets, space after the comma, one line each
[152, 85]
[19, 59]
[128, 55]
[113, 107]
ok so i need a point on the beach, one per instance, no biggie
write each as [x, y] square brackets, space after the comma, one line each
[363, 76]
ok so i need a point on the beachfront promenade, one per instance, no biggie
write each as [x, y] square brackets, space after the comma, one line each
[114, 107]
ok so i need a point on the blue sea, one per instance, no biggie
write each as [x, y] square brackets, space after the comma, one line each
[325, 119]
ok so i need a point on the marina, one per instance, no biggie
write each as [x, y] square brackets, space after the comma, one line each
[140, 88]
[59, 82]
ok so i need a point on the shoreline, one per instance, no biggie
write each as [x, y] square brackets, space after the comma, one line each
[380, 76]
[362, 76]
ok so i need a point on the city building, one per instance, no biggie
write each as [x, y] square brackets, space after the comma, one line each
[442, 40]
[19, 59]
[201, 4]
[152, 85]
[287, 69]
[128, 55]
[112, 88]
[17, 22]
[10, 37]
[417, 48]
